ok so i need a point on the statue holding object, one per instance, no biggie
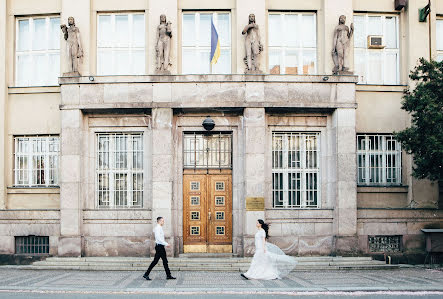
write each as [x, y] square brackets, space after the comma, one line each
[75, 50]
[163, 46]
[340, 46]
[253, 46]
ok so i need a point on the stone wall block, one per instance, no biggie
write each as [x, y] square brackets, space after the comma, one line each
[346, 168]
[71, 119]
[140, 93]
[255, 92]
[347, 221]
[256, 140]
[162, 118]
[91, 93]
[162, 195]
[70, 224]
[276, 92]
[298, 229]
[288, 244]
[69, 196]
[347, 195]
[70, 94]
[116, 93]
[162, 143]
[346, 93]
[323, 229]
[70, 169]
[71, 142]
[162, 92]
[7, 245]
[346, 143]
[69, 246]
[185, 92]
[313, 245]
[162, 168]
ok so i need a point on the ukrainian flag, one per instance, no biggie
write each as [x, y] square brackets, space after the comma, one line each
[215, 44]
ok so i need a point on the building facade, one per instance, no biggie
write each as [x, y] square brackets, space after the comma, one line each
[88, 162]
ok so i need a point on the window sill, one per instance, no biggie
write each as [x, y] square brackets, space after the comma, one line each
[382, 189]
[33, 89]
[380, 88]
[33, 190]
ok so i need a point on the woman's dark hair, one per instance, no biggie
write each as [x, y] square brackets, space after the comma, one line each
[264, 226]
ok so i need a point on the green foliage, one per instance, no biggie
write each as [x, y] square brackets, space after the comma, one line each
[424, 139]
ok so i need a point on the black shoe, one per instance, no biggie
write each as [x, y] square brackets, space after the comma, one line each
[242, 275]
[170, 277]
[146, 277]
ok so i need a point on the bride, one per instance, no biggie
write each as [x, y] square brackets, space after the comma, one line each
[269, 261]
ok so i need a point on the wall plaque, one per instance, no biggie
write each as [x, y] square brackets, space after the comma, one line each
[255, 203]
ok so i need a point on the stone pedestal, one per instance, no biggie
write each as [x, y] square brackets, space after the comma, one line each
[70, 183]
[255, 144]
[162, 166]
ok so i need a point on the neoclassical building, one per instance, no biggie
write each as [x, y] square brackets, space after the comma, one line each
[89, 162]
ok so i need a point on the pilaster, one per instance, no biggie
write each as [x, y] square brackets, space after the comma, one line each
[3, 96]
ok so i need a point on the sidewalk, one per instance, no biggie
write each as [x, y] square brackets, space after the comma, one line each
[410, 279]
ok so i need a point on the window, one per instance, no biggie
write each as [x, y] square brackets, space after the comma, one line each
[376, 66]
[121, 44]
[292, 43]
[196, 43]
[439, 39]
[119, 171]
[378, 160]
[295, 170]
[37, 54]
[32, 245]
[36, 161]
[207, 151]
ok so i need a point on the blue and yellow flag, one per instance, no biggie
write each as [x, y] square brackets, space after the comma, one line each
[215, 44]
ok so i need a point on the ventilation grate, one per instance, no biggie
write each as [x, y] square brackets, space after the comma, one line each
[32, 245]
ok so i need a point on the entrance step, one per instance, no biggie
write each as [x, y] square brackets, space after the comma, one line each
[207, 255]
[192, 262]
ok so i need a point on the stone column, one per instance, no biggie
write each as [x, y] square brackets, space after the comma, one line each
[162, 163]
[168, 8]
[70, 183]
[332, 10]
[81, 11]
[244, 8]
[3, 96]
[255, 147]
[345, 214]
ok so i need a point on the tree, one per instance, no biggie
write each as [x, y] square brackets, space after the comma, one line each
[424, 139]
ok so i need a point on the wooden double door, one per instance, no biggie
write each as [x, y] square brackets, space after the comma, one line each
[207, 211]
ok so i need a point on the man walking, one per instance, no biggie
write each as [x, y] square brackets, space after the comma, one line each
[160, 251]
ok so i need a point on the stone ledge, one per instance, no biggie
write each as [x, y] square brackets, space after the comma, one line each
[18, 215]
[32, 190]
[382, 189]
[209, 78]
[115, 215]
[33, 89]
[392, 215]
[380, 88]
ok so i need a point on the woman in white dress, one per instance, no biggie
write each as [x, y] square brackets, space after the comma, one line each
[269, 261]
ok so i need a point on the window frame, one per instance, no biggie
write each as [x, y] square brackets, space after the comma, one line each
[30, 52]
[384, 152]
[439, 52]
[197, 47]
[299, 49]
[112, 171]
[366, 51]
[303, 170]
[113, 49]
[30, 154]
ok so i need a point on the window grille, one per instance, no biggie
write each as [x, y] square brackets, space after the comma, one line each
[196, 42]
[295, 170]
[36, 161]
[207, 151]
[120, 171]
[378, 160]
[37, 51]
[376, 66]
[385, 243]
[121, 44]
[32, 245]
[292, 43]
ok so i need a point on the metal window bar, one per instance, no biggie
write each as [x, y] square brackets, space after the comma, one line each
[119, 170]
[201, 151]
[36, 161]
[32, 245]
[295, 170]
[378, 160]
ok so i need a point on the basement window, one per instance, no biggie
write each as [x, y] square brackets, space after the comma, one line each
[32, 245]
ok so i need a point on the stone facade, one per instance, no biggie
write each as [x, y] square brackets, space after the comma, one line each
[251, 107]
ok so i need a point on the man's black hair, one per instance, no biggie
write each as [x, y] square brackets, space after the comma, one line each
[159, 218]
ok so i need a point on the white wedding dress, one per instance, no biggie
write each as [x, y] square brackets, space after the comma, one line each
[274, 264]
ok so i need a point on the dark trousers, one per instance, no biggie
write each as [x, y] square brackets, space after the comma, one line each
[160, 252]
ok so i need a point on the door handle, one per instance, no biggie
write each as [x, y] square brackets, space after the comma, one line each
[209, 215]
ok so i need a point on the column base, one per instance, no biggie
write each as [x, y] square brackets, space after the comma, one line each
[70, 246]
[346, 245]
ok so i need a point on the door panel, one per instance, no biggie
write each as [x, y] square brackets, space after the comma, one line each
[194, 209]
[207, 213]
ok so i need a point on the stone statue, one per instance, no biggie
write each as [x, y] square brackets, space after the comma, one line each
[253, 46]
[75, 50]
[163, 45]
[340, 46]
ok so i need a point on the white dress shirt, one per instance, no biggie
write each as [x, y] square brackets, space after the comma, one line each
[159, 235]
